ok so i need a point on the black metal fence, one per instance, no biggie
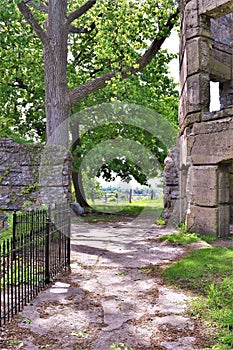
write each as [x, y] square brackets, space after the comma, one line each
[38, 249]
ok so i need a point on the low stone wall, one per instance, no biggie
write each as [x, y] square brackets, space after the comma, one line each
[32, 174]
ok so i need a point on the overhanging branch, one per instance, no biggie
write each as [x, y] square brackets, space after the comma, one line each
[26, 12]
[80, 11]
[42, 7]
[98, 83]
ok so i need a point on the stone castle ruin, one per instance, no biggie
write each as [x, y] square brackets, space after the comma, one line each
[203, 157]
[206, 138]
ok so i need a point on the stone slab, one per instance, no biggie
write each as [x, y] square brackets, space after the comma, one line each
[212, 142]
[202, 220]
[215, 8]
[204, 185]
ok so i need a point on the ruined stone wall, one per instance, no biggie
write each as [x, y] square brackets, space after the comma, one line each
[31, 175]
[206, 138]
[171, 183]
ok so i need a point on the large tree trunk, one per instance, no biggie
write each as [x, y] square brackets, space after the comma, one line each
[76, 174]
[57, 99]
[79, 190]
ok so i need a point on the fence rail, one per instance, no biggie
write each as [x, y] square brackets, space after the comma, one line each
[38, 250]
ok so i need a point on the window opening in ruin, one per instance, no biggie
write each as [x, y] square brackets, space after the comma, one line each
[221, 29]
[214, 96]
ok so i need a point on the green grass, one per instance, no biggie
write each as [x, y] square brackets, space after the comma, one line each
[197, 270]
[120, 346]
[7, 233]
[101, 217]
[153, 207]
[185, 237]
[208, 273]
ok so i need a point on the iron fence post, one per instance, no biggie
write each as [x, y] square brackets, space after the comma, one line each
[14, 235]
[47, 249]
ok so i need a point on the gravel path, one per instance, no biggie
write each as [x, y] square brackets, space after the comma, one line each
[109, 297]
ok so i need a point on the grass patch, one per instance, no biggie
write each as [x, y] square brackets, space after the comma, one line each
[208, 272]
[184, 237]
[6, 233]
[92, 218]
[180, 238]
[112, 211]
[200, 268]
[160, 221]
[153, 207]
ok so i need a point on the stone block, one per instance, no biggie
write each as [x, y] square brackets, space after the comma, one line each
[183, 70]
[223, 220]
[193, 91]
[202, 220]
[212, 142]
[215, 8]
[198, 55]
[184, 157]
[204, 185]
[205, 50]
[223, 184]
[221, 32]
[198, 93]
[191, 119]
[191, 18]
[220, 65]
[181, 112]
[222, 114]
[192, 56]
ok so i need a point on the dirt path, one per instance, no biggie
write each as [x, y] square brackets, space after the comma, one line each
[109, 298]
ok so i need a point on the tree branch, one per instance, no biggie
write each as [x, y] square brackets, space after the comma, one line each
[76, 30]
[146, 58]
[80, 11]
[19, 84]
[91, 86]
[26, 12]
[38, 107]
[43, 7]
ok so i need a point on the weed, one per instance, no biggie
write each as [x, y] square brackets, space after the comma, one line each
[25, 320]
[80, 334]
[16, 342]
[46, 346]
[181, 237]
[119, 346]
[160, 221]
[121, 273]
[185, 237]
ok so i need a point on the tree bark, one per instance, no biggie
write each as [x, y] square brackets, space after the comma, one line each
[78, 188]
[76, 174]
[57, 99]
[130, 195]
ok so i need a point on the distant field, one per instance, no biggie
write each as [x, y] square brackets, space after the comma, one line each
[149, 207]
